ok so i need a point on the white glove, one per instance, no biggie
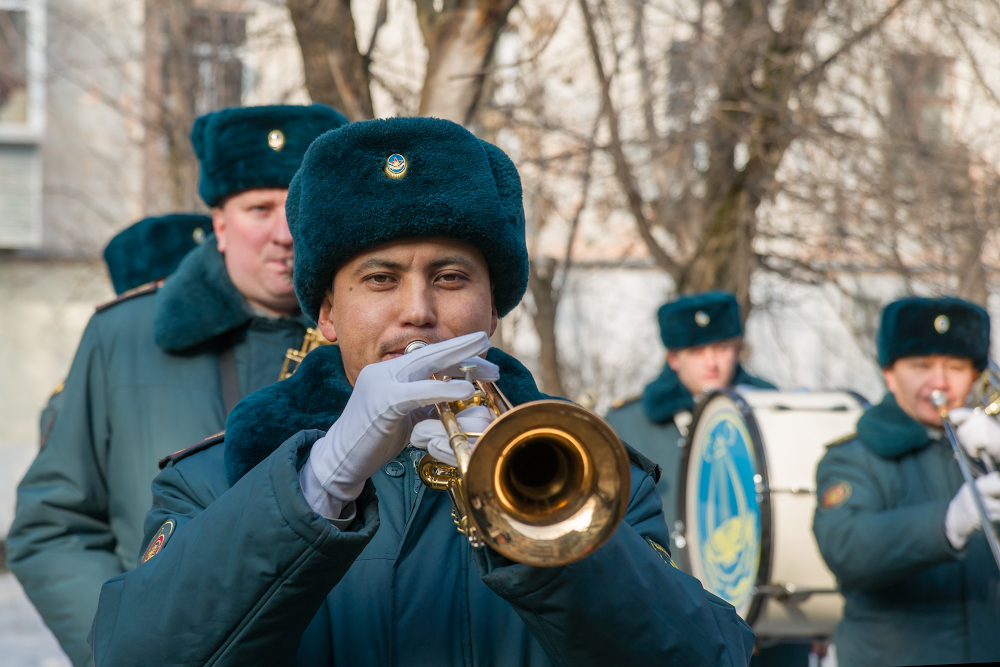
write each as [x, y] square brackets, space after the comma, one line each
[376, 422]
[430, 434]
[962, 518]
[977, 431]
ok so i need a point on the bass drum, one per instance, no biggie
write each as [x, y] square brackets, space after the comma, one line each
[748, 493]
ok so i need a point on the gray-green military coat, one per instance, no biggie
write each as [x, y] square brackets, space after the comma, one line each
[911, 599]
[648, 424]
[145, 383]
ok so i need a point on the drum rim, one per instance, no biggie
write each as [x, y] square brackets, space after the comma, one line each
[763, 499]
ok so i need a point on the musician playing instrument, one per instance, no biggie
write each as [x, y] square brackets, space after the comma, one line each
[306, 532]
[702, 334]
[895, 521]
[159, 367]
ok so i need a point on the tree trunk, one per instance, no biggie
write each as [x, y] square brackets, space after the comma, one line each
[541, 282]
[460, 40]
[178, 117]
[336, 73]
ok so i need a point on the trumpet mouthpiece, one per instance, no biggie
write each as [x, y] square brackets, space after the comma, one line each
[938, 398]
[413, 346]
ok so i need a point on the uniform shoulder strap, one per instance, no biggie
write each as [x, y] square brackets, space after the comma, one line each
[196, 447]
[148, 288]
[840, 441]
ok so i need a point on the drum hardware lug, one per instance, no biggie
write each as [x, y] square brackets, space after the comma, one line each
[678, 536]
[763, 489]
[785, 592]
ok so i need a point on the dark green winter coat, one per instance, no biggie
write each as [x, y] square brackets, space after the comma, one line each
[647, 424]
[144, 383]
[250, 575]
[911, 599]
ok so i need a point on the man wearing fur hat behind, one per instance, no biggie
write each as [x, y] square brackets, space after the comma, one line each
[895, 520]
[702, 334]
[161, 366]
[305, 534]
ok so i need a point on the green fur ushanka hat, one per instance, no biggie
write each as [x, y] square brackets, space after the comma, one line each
[698, 319]
[917, 326]
[376, 181]
[152, 248]
[244, 148]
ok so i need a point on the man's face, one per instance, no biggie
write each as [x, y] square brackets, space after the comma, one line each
[252, 231]
[912, 380]
[415, 289]
[705, 367]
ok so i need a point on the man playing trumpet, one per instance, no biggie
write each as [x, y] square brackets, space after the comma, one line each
[285, 543]
[895, 521]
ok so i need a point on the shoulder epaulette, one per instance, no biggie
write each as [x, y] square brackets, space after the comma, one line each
[196, 447]
[622, 402]
[131, 294]
[840, 441]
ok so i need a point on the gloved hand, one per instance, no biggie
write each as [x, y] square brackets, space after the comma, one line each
[376, 422]
[962, 518]
[430, 434]
[977, 431]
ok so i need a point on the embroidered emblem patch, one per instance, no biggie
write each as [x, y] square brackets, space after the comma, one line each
[276, 140]
[942, 324]
[701, 318]
[836, 495]
[395, 166]
[159, 540]
[663, 553]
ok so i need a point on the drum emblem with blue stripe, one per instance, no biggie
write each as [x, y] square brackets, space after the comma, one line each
[727, 514]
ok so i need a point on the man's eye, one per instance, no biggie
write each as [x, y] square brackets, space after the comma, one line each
[380, 279]
[451, 277]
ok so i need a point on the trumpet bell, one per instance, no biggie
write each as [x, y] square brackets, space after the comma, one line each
[547, 484]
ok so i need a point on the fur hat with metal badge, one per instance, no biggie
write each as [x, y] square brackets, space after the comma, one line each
[244, 148]
[698, 319]
[919, 326]
[153, 247]
[376, 181]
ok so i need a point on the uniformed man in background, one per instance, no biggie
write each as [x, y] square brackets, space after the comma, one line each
[703, 335]
[144, 252]
[161, 366]
[284, 543]
[895, 520]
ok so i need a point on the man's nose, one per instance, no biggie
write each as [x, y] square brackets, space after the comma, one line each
[280, 234]
[418, 305]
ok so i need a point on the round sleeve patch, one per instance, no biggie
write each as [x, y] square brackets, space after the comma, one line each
[159, 540]
[835, 495]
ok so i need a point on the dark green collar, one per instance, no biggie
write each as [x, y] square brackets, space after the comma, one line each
[199, 302]
[665, 396]
[889, 432]
[314, 397]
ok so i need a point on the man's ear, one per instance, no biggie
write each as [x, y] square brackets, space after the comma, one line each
[890, 380]
[325, 322]
[494, 318]
[672, 360]
[219, 226]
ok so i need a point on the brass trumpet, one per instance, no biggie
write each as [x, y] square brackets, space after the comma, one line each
[314, 338]
[546, 484]
[986, 396]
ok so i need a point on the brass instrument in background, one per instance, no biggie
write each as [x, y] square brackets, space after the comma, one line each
[314, 338]
[546, 484]
[985, 395]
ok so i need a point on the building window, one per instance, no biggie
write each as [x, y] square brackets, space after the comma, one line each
[22, 121]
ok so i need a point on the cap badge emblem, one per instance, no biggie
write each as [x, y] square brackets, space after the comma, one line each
[701, 318]
[942, 324]
[198, 235]
[276, 140]
[395, 166]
